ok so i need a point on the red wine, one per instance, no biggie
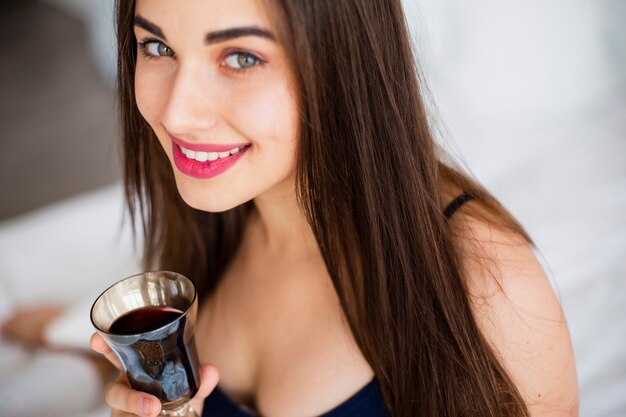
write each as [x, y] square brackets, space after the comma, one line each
[144, 320]
[159, 353]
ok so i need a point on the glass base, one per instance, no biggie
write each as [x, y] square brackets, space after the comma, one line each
[185, 410]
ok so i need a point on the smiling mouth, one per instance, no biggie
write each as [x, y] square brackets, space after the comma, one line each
[210, 156]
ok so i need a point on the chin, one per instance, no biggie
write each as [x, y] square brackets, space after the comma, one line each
[212, 201]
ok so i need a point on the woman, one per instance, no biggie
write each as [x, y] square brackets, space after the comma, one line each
[279, 155]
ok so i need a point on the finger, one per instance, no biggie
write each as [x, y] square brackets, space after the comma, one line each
[98, 344]
[209, 377]
[122, 398]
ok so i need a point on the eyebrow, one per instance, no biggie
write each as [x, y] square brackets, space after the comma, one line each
[211, 37]
[144, 23]
[226, 34]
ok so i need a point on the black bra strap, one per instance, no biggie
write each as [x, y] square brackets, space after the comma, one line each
[456, 204]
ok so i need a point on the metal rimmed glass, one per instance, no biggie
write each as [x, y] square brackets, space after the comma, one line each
[161, 361]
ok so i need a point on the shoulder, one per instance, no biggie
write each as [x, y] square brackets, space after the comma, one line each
[518, 312]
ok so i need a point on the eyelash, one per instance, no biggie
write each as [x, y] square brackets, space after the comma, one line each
[143, 50]
[142, 47]
[258, 61]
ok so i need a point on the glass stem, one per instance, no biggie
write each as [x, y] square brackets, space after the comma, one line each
[184, 410]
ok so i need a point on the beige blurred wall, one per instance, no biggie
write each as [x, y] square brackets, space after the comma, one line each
[57, 114]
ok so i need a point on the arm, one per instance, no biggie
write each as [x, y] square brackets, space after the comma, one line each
[519, 315]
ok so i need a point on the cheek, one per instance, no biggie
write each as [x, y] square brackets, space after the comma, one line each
[150, 99]
[267, 114]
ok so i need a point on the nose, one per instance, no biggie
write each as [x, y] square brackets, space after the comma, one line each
[191, 107]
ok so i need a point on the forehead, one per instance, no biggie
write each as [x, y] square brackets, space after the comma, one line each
[203, 15]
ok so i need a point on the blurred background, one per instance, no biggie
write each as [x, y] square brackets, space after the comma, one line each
[529, 96]
[56, 102]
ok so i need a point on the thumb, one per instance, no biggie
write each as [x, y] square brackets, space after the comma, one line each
[209, 376]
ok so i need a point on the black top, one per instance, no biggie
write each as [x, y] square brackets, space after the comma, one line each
[367, 402]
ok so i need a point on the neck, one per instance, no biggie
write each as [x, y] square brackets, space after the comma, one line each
[282, 225]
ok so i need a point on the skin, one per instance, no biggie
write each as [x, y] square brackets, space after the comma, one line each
[519, 314]
[199, 96]
[273, 333]
[27, 325]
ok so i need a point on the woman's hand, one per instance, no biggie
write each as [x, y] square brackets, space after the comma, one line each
[126, 401]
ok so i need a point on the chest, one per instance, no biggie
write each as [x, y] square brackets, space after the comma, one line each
[280, 341]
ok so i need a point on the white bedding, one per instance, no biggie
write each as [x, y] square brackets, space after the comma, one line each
[66, 253]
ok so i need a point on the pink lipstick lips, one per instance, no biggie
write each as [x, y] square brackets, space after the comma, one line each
[206, 160]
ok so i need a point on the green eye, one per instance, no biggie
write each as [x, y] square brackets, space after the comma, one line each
[154, 48]
[241, 60]
[164, 50]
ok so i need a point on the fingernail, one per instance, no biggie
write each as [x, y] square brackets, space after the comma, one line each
[145, 406]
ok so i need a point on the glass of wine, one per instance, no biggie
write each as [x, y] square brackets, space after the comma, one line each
[148, 320]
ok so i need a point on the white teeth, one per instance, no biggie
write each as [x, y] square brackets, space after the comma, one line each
[202, 156]
[209, 156]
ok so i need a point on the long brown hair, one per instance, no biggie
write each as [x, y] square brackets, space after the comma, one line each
[369, 178]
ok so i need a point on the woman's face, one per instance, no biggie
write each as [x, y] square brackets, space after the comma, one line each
[215, 87]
